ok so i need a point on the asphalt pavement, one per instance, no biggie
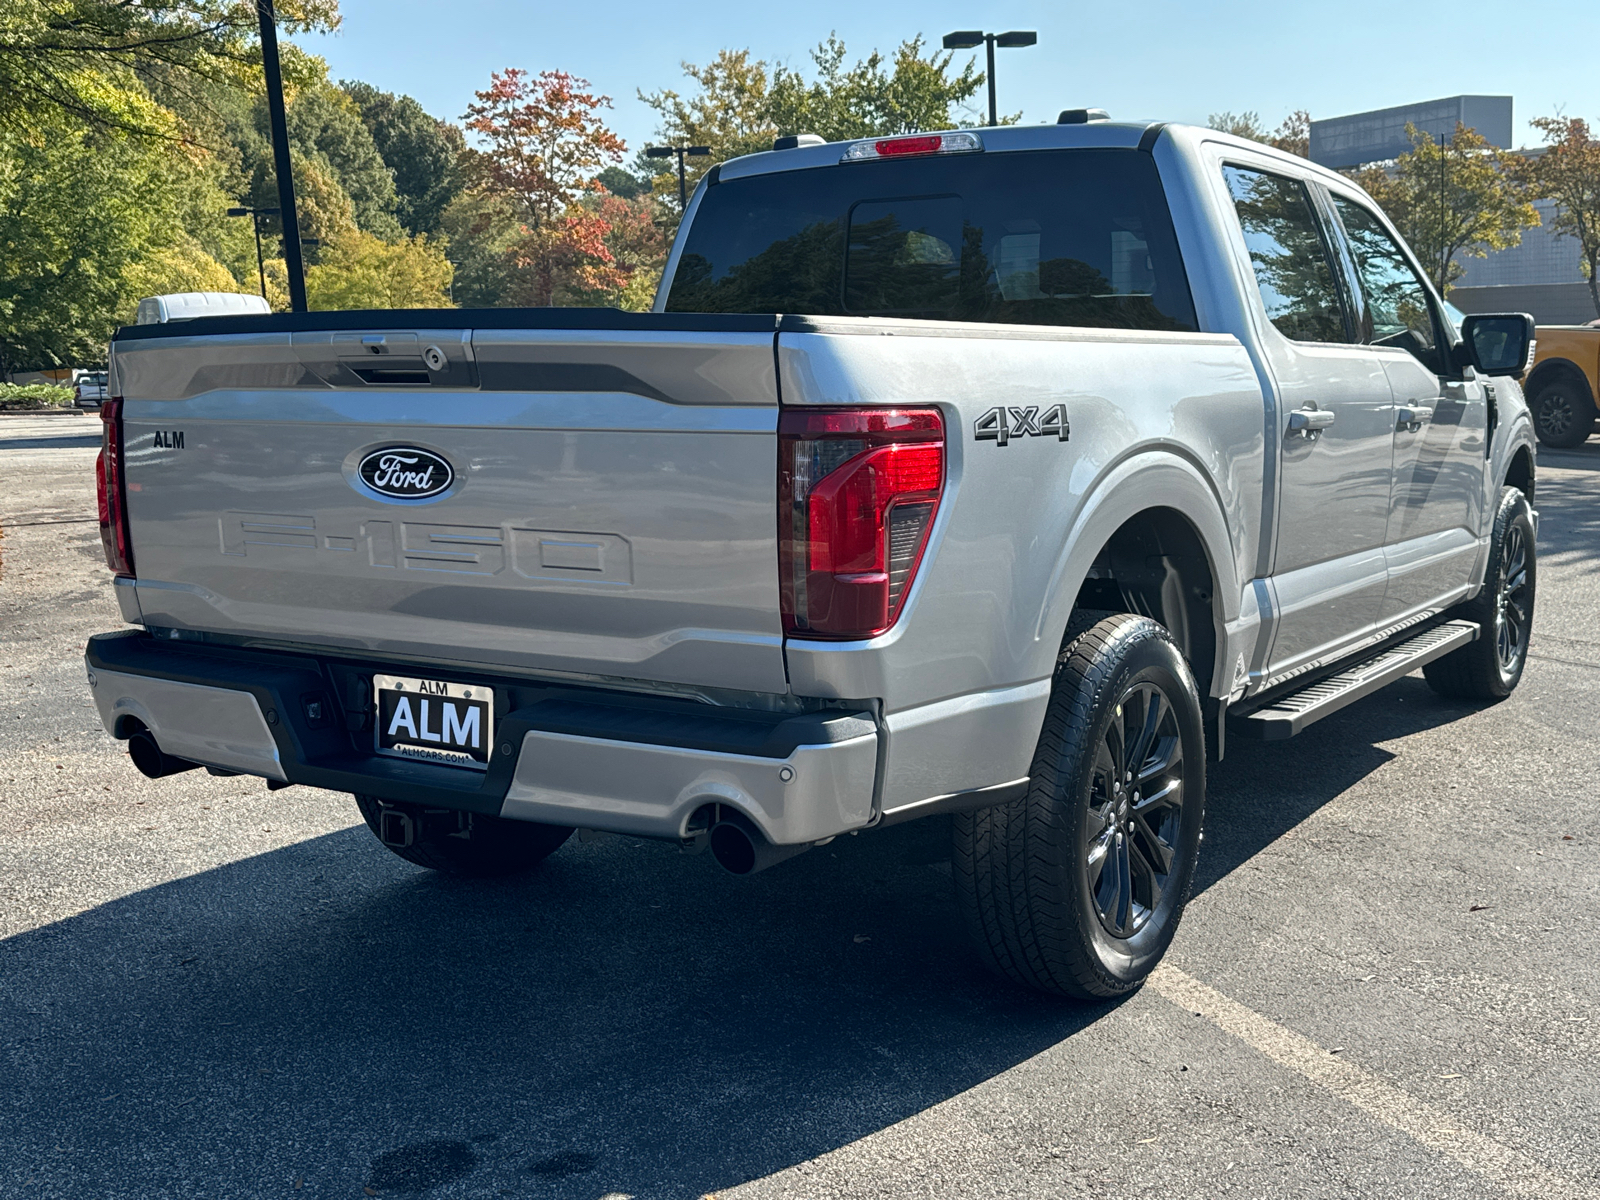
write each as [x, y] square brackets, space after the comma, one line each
[1385, 985]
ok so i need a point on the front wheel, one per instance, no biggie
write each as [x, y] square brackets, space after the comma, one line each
[460, 843]
[1491, 667]
[1078, 887]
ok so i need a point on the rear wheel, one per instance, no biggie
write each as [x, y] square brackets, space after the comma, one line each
[460, 843]
[1563, 414]
[1078, 887]
[1491, 667]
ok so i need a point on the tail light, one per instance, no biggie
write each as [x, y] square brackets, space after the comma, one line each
[857, 493]
[112, 489]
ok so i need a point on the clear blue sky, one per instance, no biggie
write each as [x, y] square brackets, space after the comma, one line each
[1167, 60]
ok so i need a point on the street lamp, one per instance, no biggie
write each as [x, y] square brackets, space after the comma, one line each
[680, 151]
[971, 39]
[255, 215]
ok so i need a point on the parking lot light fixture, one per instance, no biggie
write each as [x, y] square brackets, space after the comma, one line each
[255, 215]
[681, 152]
[971, 39]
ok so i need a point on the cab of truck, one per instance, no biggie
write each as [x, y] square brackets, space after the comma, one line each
[1563, 384]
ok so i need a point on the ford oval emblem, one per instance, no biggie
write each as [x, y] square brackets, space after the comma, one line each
[406, 472]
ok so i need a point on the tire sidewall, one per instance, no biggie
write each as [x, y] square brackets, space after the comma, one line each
[1582, 411]
[1147, 655]
[1514, 512]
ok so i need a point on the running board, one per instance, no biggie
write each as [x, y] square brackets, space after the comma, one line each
[1288, 715]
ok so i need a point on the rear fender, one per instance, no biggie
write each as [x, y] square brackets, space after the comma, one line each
[1147, 480]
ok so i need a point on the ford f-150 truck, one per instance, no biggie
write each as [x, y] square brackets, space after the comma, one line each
[996, 473]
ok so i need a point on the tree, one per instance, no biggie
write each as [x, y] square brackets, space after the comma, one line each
[1293, 134]
[325, 127]
[91, 58]
[88, 218]
[422, 153]
[1450, 199]
[364, 271]
[865, 100]
[545, 145]
[1568, 172]
[728, 111]
[740, 104]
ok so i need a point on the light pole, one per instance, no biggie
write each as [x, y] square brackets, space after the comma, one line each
[255, 215]
[680, 151]
[280, 155]
[971, 39]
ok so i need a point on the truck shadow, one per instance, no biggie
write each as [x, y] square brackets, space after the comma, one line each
[1569, 518]
[621, 1020]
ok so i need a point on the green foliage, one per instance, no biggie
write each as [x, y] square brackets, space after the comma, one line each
[1459, 198]
[421, 152]
[866, 100]
[87, 216]
[624, 183]
[94, 60]
[1292, 135]
[363, 271]
[1568, 172]
[21, 397]
[326, 131]
[740, 104]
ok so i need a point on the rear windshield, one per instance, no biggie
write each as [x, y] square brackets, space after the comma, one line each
[1052, 237]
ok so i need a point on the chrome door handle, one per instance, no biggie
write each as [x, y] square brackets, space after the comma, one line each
[1412, 417]
[1308, 422]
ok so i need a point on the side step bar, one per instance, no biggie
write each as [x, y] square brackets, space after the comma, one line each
[1288, 715]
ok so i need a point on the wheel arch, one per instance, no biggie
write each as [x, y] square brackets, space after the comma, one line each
[1153, 540]
[1520, 471]
[1552, 369]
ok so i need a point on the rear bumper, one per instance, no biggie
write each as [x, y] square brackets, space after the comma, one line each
[564, 755]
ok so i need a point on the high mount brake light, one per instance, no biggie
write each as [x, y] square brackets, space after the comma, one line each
[858, 490]
[922, 143]
[112, 491]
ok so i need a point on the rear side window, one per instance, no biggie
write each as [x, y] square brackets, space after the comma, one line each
[1288, 255]
[1055, 237]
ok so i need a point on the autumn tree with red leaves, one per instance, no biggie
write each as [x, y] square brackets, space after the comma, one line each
[544, 143]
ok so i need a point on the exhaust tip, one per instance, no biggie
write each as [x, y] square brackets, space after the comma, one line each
[151, 761]
[733, 849]
[742, 849]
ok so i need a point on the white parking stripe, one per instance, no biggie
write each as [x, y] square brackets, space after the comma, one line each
[1509, 1169]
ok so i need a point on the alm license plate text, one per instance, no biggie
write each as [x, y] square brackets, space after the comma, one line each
[451, 723]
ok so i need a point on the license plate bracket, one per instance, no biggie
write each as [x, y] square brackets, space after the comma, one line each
[433, 720]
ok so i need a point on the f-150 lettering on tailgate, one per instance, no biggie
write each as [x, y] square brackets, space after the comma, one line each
[535, 554]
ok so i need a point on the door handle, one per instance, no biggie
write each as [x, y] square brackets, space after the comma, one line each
[1308, 422]
[1412, 417]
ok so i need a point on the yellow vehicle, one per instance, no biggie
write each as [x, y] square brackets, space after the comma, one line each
[1562, 386]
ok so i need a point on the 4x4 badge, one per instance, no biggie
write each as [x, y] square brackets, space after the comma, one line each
[1002, 424]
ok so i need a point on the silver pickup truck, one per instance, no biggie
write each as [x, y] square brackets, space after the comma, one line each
[996, 473]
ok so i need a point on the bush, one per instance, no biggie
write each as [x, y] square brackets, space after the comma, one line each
[17, 397]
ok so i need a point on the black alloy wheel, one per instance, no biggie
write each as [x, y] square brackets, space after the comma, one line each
[1135, 810]
[1491, 667]
[1562, 417]
[1077, 888]
[1513, 602]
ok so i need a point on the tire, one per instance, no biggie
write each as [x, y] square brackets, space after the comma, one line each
[1491, 667]
[1038, 911]
[1563, 413]
[460, 843]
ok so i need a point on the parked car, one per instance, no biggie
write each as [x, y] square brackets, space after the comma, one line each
[1562, 385]
[998, 473]
[187, 306]
[89, 389]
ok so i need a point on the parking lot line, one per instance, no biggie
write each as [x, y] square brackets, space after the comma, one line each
[1508, 1169]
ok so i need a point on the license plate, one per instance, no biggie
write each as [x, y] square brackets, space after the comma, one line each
[451, 723]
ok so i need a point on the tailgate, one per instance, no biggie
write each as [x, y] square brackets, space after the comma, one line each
[589, 501]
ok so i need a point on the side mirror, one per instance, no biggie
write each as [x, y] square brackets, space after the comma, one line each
[1498, 343]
